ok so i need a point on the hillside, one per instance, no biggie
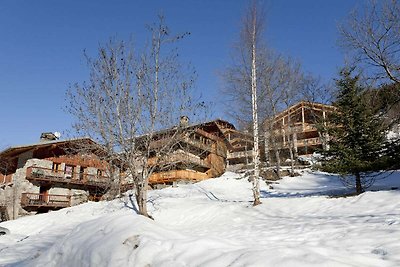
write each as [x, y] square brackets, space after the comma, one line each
[212, 223]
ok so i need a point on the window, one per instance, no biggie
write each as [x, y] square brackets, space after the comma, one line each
[69, 171]
[56, 167]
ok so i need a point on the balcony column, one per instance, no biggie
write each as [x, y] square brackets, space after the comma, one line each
[44, 193]
[266, 146]
[325, 140]
[296, 154]
[63, 169]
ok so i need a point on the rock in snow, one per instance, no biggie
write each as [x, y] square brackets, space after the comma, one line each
[212, 223]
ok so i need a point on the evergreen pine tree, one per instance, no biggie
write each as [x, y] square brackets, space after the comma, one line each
[357, 136]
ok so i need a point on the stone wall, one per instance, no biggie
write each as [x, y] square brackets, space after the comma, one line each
[10, 195]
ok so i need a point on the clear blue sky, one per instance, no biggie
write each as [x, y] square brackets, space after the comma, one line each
[41, 44]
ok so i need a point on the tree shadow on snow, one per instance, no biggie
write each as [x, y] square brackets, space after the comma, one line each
[131, 204]
[327, 193]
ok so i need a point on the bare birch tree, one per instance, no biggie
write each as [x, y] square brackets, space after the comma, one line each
[371, 35]
[257, 67]
[252, 30]
[131, 95]
[291, 93]
[272, 81]
[242, 76]
[282, 85]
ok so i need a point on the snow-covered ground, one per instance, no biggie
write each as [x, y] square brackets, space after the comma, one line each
[212, 223]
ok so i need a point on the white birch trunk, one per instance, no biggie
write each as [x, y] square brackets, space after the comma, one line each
[256, 152]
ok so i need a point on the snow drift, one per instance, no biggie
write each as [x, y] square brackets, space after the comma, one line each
[212, 223]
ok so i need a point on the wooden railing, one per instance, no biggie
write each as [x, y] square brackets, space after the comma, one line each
[302, 143]
[197, 143]
[175, 175]
[45, 200]
[309, 141]
[296, 129]
[177, 157]
[240, 154]
[60, 176]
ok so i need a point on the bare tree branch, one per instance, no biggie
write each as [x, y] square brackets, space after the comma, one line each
[130, 96]
[372, 38]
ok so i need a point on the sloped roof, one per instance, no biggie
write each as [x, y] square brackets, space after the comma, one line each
[307, 104]
[17, 150]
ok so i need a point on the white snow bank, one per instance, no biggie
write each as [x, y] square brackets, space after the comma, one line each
[212, 223]
[320, 183]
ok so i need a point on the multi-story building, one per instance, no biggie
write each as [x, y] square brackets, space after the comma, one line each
[196, 152]
[49, 175]
[298, 127]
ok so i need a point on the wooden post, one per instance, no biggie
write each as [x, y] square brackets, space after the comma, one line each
[266, 146]
[326, 135]
[283, 132]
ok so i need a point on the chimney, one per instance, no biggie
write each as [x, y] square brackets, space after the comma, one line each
[49, 136]
[184, 121]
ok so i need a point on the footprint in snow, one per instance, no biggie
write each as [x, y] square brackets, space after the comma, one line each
[379, 251]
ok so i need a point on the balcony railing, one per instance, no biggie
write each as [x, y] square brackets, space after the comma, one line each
[302, 143]
[179, 157]
[296, 128]
[309, 141]
[40, 174]
[45, 200]
[168, 142]
[197, 143]
[240, 154]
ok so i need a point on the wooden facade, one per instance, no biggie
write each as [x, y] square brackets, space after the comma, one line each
[241, 147]
[298, 126]
[199, 153]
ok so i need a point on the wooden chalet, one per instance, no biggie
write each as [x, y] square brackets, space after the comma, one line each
[198, 152]
[298, 125]
[240, 153]
[49, 175]
[241, 147]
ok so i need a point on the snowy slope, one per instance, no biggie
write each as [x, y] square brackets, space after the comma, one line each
[212, 223]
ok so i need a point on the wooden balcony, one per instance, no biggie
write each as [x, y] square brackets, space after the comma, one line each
[35, 201]
[44, 176]
[176, 175]
[180, 157]
[240, 154]
[168, 142]
[302, 143]
[197, 143]
[309, 142]
[296, 128]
